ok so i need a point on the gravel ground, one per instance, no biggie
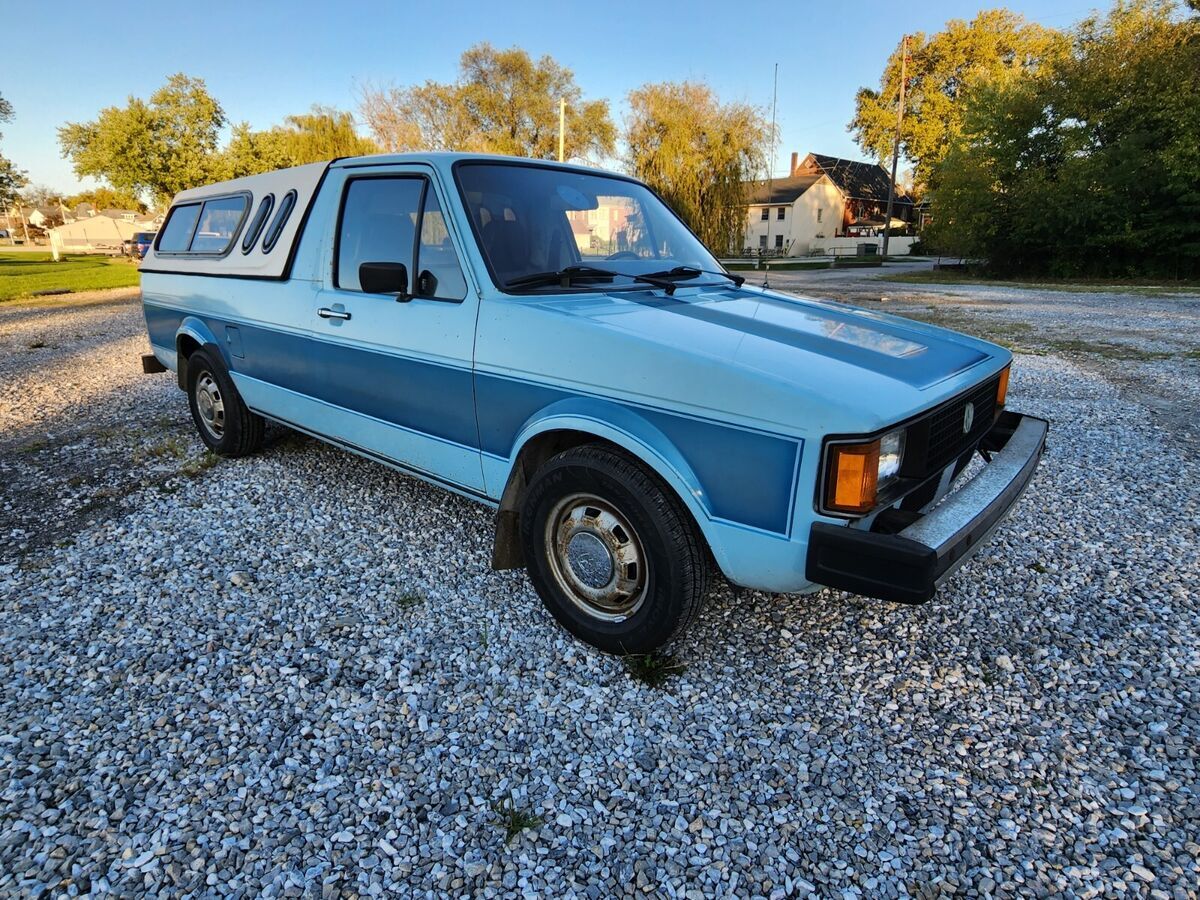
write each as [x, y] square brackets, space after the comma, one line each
[256, 677]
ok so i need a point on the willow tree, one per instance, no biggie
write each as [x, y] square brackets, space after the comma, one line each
[503, 102]
[944, 69]
[699, 154]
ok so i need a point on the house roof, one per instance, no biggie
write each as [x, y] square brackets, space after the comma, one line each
[856, 180]
[781, 190]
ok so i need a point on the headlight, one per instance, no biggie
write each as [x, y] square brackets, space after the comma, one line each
[891, 451]
[857, 472]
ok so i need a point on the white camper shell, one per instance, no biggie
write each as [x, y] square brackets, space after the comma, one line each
[246, 227]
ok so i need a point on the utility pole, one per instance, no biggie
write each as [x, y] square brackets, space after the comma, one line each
[562, 125]
[24, 227]
[887, 223]
[770, 177]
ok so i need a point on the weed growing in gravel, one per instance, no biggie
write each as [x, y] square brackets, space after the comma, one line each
[514, 820]
[652, 668]
[199, 464]
[1108, 350]
[169, 447]
[410, 600]
[1038, 567]
[34, 447]
[37, 345]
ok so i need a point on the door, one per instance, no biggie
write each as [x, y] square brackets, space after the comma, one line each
[396, 367]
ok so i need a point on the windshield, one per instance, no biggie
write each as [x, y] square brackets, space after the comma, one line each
[536, 219]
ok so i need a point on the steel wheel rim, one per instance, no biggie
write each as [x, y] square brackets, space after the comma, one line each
[596, 557]
[211, 405]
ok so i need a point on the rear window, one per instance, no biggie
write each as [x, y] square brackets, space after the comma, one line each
[219, 222]
[207, 227]
[177, 232]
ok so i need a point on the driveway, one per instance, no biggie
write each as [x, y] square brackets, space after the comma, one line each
[295, 674]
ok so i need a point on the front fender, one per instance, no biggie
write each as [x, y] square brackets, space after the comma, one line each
[639, 437]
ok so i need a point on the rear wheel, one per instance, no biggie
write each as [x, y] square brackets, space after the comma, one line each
[611, 551]
[226, 426]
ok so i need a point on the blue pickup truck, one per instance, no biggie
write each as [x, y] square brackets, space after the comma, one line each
[552, 341]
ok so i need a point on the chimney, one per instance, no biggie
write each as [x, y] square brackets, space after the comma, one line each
[795, 160]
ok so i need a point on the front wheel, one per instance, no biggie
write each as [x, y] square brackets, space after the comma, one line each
[226, 425]
[611, 551]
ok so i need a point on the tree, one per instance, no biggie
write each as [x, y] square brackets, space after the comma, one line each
[156, 147]
[1089, 166]
[502, 102]
[699, 154]
[322, 134]
[105, 198]
[6, 111]
[944, 69]
[41, 195]
[250, 152]
[12, 180]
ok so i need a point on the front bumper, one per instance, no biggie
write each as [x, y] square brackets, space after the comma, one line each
[909, 566]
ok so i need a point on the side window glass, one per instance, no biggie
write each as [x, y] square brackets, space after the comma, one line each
[219, 222]
[379, 224]
[257, 223]
[275, 229]
[177, 233]
[440, 275]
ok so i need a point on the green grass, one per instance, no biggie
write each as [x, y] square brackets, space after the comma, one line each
[1067, 285]
[24, 274]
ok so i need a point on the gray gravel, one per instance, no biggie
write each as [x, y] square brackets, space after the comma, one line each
[295, 674]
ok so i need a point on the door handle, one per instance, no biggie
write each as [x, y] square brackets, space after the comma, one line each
[326, 313]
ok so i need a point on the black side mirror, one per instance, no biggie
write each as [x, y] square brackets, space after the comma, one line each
[384, 278]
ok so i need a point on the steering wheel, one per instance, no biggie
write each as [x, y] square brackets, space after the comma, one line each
[623, 254]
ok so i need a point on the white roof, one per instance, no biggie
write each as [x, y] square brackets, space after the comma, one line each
[255, 263]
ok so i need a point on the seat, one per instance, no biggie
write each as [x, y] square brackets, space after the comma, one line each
[506, 248]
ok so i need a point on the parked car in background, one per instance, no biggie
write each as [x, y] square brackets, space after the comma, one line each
[142, 242]
[553, 341]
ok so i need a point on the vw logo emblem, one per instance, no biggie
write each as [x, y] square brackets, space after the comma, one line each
[968, 418]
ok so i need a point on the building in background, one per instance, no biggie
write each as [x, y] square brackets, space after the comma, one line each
[824, 205]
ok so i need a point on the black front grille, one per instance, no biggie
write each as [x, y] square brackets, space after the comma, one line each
[938, 439]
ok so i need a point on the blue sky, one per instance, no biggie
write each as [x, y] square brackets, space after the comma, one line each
[265, 60]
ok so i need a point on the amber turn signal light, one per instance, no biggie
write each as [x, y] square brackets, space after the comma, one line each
[1002, 388]
[853, 477]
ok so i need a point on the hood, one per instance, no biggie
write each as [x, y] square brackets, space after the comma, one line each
[773, 331]
[759, 355]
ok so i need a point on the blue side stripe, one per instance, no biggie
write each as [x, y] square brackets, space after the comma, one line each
[748, 477]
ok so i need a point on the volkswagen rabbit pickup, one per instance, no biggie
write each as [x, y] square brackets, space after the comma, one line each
[552, 341]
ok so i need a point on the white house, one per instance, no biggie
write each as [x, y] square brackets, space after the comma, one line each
[825, 203]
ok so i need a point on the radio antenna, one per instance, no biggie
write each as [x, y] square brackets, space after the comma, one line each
[770, 174]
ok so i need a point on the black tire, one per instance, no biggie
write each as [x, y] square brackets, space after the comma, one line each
[232, 430]
[600, 496]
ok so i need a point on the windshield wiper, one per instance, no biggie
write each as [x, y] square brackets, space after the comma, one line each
[566, 275]
[693, 272]
[665, 279]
